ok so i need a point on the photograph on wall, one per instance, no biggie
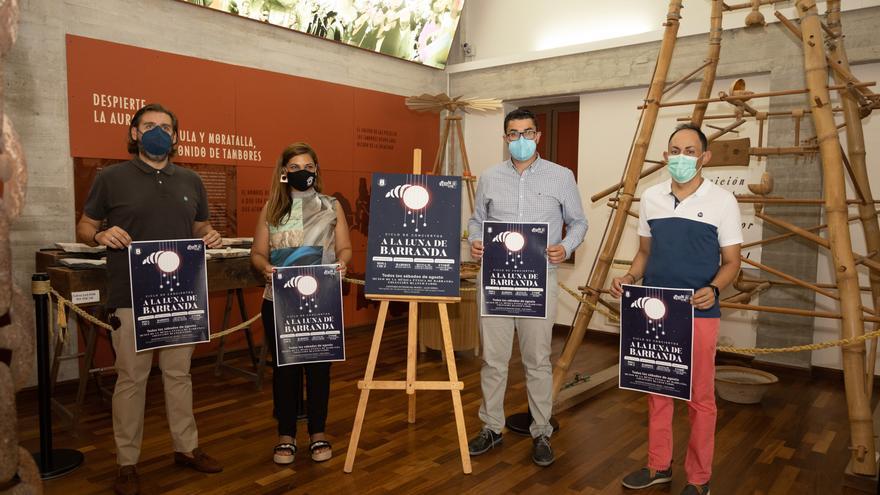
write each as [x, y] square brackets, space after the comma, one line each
[169, 293]
[514, 269]
[656, 340]
[414, 240]
[308, 314]
[415, 30]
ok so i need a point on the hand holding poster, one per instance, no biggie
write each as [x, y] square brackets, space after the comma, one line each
[169, 293]
[414, 245]
[514, 269]
[308, 314]
[656, 340]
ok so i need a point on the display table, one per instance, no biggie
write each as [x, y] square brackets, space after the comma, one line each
[231, 275]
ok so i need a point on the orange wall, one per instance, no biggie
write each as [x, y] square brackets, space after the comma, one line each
[355, 131]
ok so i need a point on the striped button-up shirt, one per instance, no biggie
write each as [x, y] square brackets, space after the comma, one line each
[544, 192]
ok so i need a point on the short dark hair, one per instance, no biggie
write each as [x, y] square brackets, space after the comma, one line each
[691, 127]
[520, 114]
[136, 121]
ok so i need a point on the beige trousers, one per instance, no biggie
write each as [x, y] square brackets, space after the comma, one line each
[535, 336]
[133, 369]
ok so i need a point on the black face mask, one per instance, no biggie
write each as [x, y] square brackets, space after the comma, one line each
[301, 180]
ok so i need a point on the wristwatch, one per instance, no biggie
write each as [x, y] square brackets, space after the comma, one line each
[715, 290]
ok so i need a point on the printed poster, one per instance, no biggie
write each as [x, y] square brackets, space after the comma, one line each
[169, 293]
[414, 241]
[514, 269]
[656, 340]
[308, 314]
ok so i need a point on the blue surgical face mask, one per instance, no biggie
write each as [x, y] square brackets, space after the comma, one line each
[156, 142]
[682, 168]
[522, 149]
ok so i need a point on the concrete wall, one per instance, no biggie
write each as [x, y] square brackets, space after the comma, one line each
[610, 83]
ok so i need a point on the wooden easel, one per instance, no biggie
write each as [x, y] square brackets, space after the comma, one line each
[411, 384]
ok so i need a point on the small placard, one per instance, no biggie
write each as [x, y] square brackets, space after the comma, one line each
[85, 296]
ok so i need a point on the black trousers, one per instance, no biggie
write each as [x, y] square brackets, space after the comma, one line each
[287, 385]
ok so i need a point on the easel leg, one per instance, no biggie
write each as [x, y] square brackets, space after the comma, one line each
[242, 311]
[364, 386]
[456, 392]
[411, 358]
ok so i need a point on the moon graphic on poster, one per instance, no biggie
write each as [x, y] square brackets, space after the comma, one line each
[513, 242]
[167, 262]
[306, 284]
[416, 197]
[654, 308]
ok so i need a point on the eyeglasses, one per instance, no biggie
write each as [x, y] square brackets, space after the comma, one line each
[529, 134]
[293, 167]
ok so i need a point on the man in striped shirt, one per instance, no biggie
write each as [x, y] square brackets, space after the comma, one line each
[525, 188]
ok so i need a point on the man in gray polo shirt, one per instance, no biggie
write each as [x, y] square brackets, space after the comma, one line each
[147, 198]
[525, 188]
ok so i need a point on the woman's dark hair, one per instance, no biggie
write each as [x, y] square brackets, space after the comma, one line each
[136, 121]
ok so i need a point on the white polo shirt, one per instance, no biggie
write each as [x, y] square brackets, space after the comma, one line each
[687, 237]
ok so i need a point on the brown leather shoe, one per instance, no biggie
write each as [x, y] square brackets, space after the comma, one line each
[127, 481]
[200, 461]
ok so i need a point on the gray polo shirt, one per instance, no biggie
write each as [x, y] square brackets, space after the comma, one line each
[150, 205]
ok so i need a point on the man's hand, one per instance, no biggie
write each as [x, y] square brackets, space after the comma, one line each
[617, 284]
[477, 250]
[556, 254]
[212, 239]
[113, 238]
[703, 298]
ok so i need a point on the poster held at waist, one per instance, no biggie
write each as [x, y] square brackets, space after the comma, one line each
[514, 269]
[169, 293]
[414, 244]
[656, 340]
[308, 316]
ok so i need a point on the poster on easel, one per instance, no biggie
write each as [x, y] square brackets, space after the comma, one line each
[656, 340]
[414, 242]
[169, 293]
[514, 268]
[309, 324]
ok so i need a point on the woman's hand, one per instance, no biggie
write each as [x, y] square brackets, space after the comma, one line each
[268, 272]
[342, 267]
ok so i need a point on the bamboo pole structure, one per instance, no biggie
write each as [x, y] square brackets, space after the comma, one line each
[852, 324]
[855, 144]
[633, 170]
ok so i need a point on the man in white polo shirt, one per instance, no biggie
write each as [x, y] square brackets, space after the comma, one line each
[685, 225]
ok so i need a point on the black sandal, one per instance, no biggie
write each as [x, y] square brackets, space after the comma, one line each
[321, 456]
[281, 458]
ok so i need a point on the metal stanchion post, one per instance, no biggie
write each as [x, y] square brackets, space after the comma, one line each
[57, 462]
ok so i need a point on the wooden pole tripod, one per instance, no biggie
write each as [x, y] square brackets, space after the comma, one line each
[451, 129]
[411, 384]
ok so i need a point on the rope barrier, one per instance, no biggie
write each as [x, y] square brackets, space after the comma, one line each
[62, 302]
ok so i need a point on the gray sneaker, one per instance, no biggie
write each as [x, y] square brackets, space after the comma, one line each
[692, 489]
[542, 453]
[482, 443]
[645, 477]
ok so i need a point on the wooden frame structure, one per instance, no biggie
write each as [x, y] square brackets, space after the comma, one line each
[410, 385]
[824, 52]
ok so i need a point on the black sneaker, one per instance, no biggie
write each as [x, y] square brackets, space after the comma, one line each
[483, 442]
[692, 489]
[645, 477]
[542, 453]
